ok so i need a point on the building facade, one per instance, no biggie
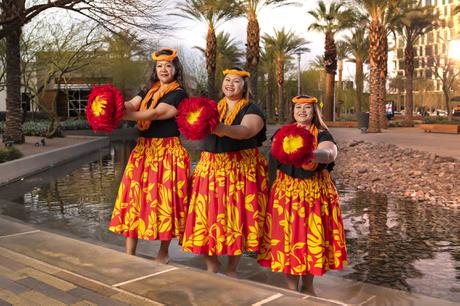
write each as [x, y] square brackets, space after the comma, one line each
[431, 48]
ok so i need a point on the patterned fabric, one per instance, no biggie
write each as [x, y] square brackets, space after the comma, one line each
[303, 231]
[151, 201]
[227, 203]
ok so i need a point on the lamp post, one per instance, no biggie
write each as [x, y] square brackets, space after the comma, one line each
[298, 53]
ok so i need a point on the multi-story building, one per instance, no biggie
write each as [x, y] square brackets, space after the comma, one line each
[430, 48]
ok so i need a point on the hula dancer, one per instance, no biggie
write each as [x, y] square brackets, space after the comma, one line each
[303, 233]
[229, 185]
[151, 200]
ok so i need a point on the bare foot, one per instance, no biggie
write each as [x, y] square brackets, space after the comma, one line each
[162, 259]
[214, 266]
[308, 289]
[231, 274]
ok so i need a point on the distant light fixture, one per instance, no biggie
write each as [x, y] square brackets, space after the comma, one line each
[454, 49]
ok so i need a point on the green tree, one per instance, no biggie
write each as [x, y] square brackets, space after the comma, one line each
[358, 48]
[228, 54]
[14, 14]
[330, 20]
[382, 15]
[283, 44]
[213, 12]
[252, 7]
[123, 61]
[414, 22]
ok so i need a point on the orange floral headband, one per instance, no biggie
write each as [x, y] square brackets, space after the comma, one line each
[241, 73]
[304, 99]
[165, 57]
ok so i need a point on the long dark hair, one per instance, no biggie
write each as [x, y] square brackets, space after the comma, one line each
[246, 90]
[179, 71]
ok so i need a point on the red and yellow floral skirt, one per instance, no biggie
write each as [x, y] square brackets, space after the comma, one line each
[228, 198]
[303, 231]
[152, 197]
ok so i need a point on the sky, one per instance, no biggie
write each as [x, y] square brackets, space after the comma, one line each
[192, 33]
[295, 18]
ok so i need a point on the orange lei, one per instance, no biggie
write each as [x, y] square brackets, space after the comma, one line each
[154, 94]
[311, 165]
[222, 108]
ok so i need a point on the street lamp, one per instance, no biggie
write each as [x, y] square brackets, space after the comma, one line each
[298, 52]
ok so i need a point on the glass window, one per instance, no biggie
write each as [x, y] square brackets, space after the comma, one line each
[78, 98]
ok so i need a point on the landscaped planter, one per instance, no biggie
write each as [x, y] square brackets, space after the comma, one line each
[441, 128]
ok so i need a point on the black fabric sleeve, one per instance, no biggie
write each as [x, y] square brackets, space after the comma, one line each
[325, 136]
[255, 110]
[174, 98]
[142, 94]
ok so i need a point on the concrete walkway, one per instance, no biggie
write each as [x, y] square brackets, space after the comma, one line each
[41, 268]
[447, 145]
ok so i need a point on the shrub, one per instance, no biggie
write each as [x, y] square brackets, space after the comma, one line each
[74, 124]
[441, 120]
[10, 153]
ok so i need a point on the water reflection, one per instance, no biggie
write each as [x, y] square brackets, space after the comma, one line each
[401, 245]
[412, 247]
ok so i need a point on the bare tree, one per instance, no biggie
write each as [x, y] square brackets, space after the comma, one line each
[111, 14]
[447, 72]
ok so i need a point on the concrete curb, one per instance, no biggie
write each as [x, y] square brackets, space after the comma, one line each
[16, 169]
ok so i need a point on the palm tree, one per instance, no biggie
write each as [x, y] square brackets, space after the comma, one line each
[413, 24]
[382, 15]
[358, 47]
[213, 12]
[228, 53]
[330, 20]
[342, 52]
[283, 44]
[267, 65]
[252, 7]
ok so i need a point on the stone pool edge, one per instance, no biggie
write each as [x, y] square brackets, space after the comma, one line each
[15, 170]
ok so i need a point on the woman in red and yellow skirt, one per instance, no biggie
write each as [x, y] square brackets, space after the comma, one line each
[303, 232]
[229, 186]
[151, 200]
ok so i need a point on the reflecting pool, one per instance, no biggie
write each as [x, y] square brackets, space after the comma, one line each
[411, 247]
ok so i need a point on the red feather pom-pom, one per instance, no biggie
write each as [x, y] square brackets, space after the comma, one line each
[293, 145]
[105, 109]
[197, 117]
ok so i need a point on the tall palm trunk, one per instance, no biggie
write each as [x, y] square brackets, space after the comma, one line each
[330, 63]
[409, 70]
[280, 83]
[13, 126]
[375, 74]
[383, 62]
[253, 53]
[210, 53]
[340, 86]
[359, 80]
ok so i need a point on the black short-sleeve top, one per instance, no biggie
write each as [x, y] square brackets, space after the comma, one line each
[164, 128]
[300, 172]
[216, 144]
